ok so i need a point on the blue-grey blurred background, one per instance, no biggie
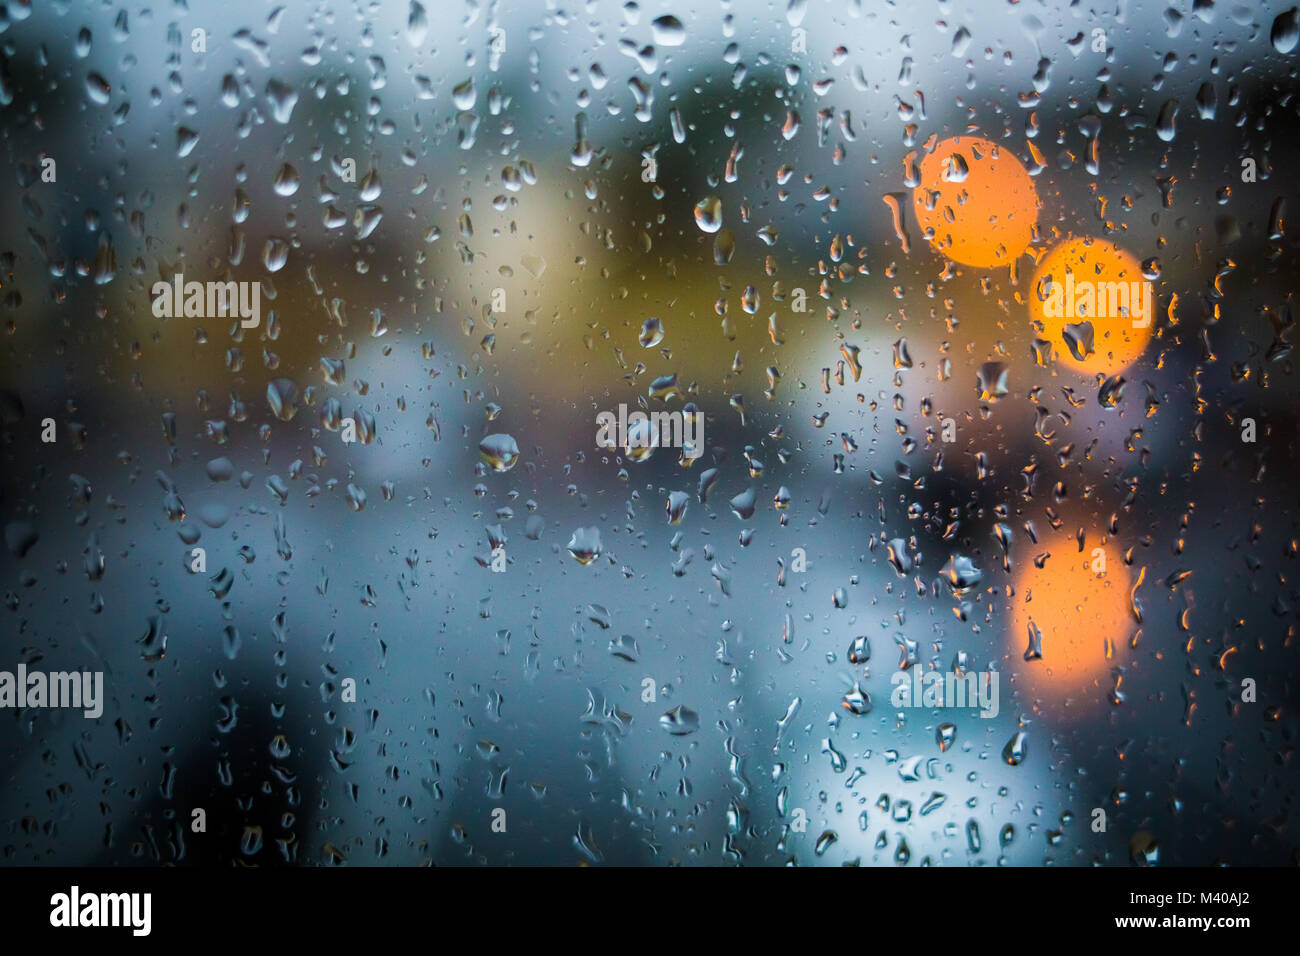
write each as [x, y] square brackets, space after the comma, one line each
[487, 271]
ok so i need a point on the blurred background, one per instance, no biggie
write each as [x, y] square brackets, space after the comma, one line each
[461, 217]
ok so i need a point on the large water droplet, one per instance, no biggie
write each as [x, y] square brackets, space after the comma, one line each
[668, 30]
[680, 721]
[499, 451]
[585, 545]
[463, 95]
[417, 25]
[856, 701]
[1286, 31]
[708, 214]
[275, 254]
[652, 333]
[97, 89]
[286, 180]
[992, 381]
[282, 396]
[282, 98]
[961, 574]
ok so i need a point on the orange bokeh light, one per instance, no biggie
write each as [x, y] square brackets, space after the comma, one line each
[977, 202]
[1093, 281]
[1077, 611]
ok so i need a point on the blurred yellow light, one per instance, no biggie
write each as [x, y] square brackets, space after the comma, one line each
[1077, 611]
[1094, 281]
[977, 202]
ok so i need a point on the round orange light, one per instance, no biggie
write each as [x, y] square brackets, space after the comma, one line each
[976, 202]
[1095, 305]
[1077, 611]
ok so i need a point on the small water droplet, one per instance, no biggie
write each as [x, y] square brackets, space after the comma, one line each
[1016, 750]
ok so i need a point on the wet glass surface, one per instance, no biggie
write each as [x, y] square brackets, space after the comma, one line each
[699, 433]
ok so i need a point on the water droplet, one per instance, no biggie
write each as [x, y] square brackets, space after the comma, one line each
[744, 503]
[825, 842]
[275, 254]
[625, 647]
[1079, 339]
[1111, 391]
[105, 260]
[899, 557]
[98, 89]
[708, 214]
[1167, 120]
[838, 760]
[992, 381]
[1286, 31]
[642, 440]
[153, 643]
[955, 170]
[463, 95]
[286, 180]
[585, 545]
[724, 248]
[859, 650]
[499, 451]
[668, 30]
[680, 721]
[652, 333]
[417, 25]
[282, 99]
[282, 396]
[676, 507]
[945, 735]
[961, 574]
[857, 701]
[1015, 751]
[186, 140]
